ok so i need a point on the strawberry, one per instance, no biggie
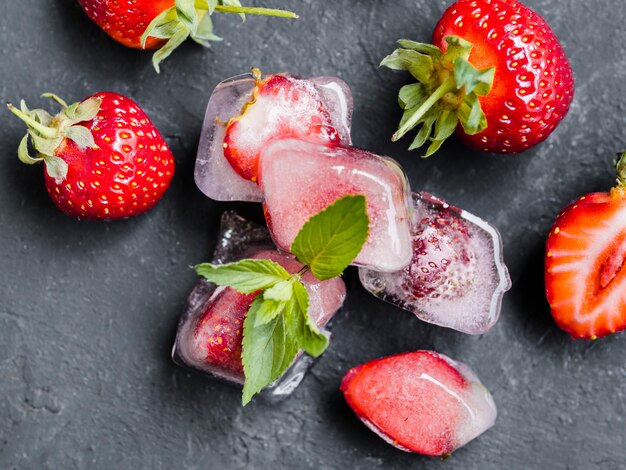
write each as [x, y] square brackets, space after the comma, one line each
[585, 253]
[164, 24]
[443, 263]
[281, 106]
[420, 402]
[498, 76]
[218, 334]
[127, 20]
[103, 157]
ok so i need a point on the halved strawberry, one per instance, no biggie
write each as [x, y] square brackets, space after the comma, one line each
[420, 402]
[585, 253]
[281, 106]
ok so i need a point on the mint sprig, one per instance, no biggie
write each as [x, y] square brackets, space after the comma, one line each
[278, 324]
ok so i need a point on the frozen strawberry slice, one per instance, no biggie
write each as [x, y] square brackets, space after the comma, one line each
[584, 265]
[217, 334]
[299, 179]
[281, 106]
[210, 336]
[420, 402]
[457, 276]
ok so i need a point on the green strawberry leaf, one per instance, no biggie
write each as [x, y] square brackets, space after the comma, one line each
[267, 351]
[56, 168]
[204, 34]
[424, 133]
[186, 13]
[471, 116]
[417, 64]
[457, 47]
[412, 95]
[445, 125]
[246, 276]
[474, 80]
[330, 240]
[424, 48]
[81, 137]
[87, 110]
[24, 155]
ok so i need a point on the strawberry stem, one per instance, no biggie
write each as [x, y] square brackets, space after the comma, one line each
[43, 130]
[256, 11]
[445, 87]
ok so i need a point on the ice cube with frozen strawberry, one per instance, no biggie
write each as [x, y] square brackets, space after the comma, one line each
[300, 178]
[456, 277]
[210, 332]
[246, 112]
[420, 402]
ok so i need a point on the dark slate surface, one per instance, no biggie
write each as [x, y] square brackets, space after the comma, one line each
[88, 310]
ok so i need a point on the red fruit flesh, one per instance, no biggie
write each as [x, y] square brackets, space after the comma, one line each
[126, 20]
[533, 85]
[443, 264]
[412, 400]
[219, 331]
[126, 175]
[584, 275]
[282, 106]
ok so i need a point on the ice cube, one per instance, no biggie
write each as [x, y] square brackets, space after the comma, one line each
[421, 401]
[299, 179]
[210, 330]
[214, 175]
[457, 276]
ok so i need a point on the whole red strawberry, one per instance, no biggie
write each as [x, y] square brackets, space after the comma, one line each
[498, 76]
[584, 265]
[164, 24]
[103, 157]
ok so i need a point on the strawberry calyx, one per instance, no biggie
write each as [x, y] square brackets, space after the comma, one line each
[46, 132]
[446, 93]
[192, 18]
[620, 166]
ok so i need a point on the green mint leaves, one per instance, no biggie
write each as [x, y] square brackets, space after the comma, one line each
[446, 93]
[330, 240]
[278, 324]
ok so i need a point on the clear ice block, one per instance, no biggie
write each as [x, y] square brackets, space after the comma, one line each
[213, 174]
[210, 330]
[420, 401]
[299, 179]
[457, 276]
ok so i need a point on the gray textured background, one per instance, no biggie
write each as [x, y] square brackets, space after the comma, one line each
[88, 310]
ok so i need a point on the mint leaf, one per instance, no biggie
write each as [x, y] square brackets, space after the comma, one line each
[246, 276]
[280, 292]
[301, 325]
[268, 310]
[330, 240]
[267, 351]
